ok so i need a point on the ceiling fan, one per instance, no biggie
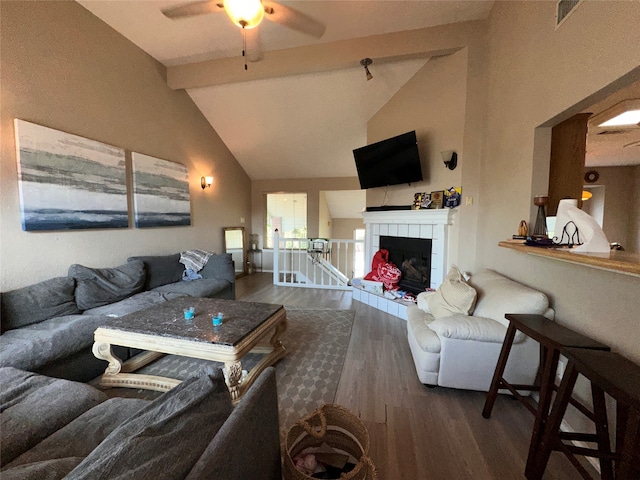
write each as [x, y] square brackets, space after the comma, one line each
[247, 14]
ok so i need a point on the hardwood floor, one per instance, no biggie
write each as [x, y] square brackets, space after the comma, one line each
[416, 432]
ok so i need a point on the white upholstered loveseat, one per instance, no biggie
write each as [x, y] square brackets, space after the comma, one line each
[461, 351]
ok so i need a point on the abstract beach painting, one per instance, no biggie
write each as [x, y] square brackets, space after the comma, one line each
[160, 192]
[68, 182]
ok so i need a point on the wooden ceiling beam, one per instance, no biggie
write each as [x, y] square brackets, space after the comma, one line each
[421, 43]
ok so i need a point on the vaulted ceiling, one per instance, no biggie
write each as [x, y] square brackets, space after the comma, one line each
[300, 122]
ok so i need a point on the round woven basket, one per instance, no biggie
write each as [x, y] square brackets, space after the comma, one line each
[339, 428]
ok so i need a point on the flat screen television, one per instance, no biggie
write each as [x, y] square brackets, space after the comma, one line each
[389, 162]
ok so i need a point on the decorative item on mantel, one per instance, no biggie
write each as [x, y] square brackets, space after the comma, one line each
[540, 227]
[421, 200]
[452, 197]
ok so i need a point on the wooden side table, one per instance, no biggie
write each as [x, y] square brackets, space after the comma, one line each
[618, 377]
[551, 337]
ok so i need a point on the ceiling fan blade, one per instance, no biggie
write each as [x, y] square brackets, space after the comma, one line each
[192, 9]
[253, 49]
[292, 18]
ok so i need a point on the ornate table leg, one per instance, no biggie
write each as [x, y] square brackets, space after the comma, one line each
[102, 350]
[233, 371]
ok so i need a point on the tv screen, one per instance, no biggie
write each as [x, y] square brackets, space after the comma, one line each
[389, 162]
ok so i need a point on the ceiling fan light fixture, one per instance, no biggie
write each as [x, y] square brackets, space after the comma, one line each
[244, 13]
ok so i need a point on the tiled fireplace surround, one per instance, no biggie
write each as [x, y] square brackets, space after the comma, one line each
[433, 224]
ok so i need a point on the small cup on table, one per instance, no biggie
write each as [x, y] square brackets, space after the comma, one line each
[217, 319]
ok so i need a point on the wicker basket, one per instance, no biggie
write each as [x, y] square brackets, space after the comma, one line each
[339, 428]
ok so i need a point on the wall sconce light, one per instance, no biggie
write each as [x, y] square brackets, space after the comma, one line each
[365, 62]
[206, 182]
[450, 159]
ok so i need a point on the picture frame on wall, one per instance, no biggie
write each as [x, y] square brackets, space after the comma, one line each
[437, 199]
[68, 182]
[160, 192]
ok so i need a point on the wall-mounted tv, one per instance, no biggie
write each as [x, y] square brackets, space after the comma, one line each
[389, 162]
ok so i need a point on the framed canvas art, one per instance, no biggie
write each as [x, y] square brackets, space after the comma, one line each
[68, 182]
[160, 192]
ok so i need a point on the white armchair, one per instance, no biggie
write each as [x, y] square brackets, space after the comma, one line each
[461, 351]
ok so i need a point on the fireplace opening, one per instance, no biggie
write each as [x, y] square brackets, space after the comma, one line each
[413, 257]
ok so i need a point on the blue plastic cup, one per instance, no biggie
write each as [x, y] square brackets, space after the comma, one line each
[217, 318]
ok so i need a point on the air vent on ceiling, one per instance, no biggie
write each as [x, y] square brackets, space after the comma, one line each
[564, 8]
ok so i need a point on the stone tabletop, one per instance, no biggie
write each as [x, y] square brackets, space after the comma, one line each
[167, 320]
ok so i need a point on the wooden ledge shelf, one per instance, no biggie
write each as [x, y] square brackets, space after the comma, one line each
[615, 261]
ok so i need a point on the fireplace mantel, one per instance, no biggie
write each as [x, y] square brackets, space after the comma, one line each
[440, 216]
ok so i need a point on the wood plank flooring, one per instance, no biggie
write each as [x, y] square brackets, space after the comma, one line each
[417, 433]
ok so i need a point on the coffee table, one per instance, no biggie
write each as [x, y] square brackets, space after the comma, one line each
[162, 329]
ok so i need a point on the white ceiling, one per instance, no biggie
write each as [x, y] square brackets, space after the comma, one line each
[174, 42]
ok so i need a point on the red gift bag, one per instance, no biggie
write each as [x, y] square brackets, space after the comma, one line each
[382, 270]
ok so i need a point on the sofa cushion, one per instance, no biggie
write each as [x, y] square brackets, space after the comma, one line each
[418, 322]
[165, 438]
[498, 295]
[252, 427]
[465, 327]
[34, 346]
[45, 470]
[33, 407]
[78, 438]
[139, 301]
[454, 296]
[204, 287]
[41, 301]
[160, 269]
[101, 286]
[220, 267]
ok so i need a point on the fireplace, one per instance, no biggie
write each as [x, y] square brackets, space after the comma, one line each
[413, 257]
[430, 225]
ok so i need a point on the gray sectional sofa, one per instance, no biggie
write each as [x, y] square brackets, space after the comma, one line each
[52, 428]
[48, 327]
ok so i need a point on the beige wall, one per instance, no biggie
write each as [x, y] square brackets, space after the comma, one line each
[536, 74]
[444, 103]
[324, 217]
[343, 228]
[65, 69]
[621, 185]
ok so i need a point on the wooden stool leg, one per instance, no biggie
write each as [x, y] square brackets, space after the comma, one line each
[497, 374]
[552, 427]
[602, 432]
[627, 443]
[547, 381]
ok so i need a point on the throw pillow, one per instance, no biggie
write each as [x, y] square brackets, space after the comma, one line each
[161, 269]
[454, 296]
[101, 286]
[220, 267]
[165, 438]
[41, 301]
